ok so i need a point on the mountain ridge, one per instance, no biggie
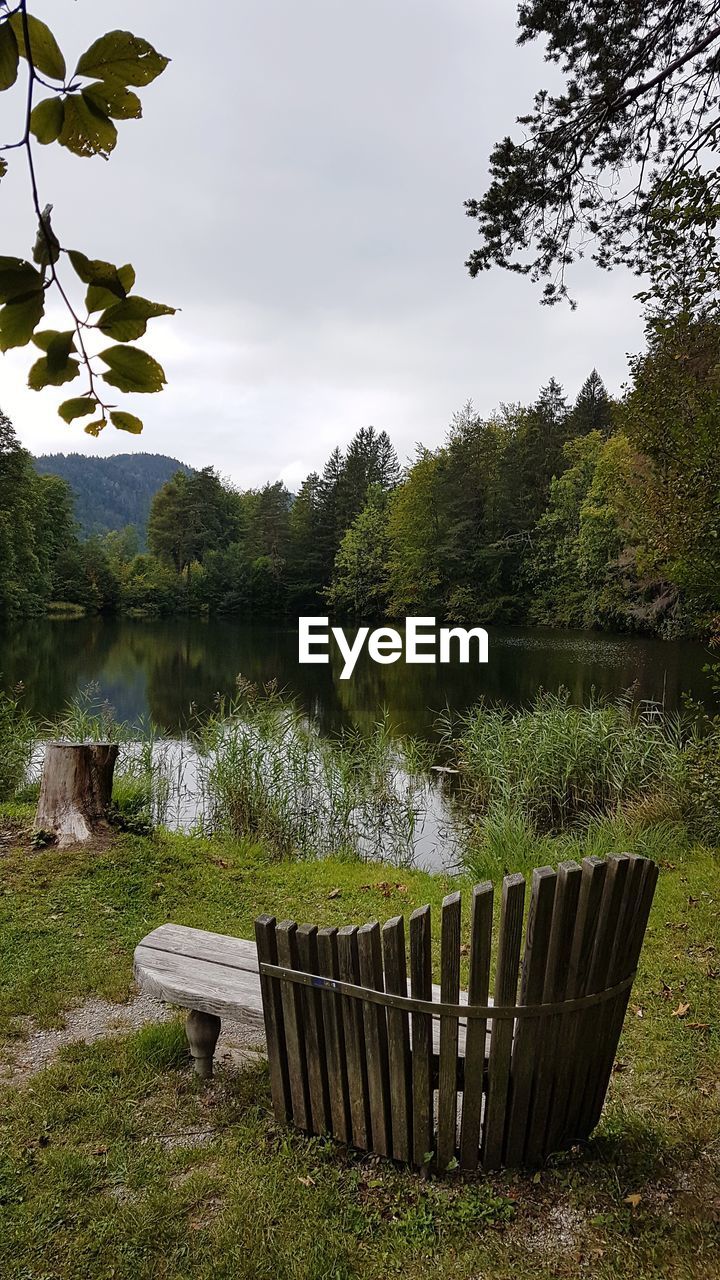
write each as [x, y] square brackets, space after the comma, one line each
[114, 491]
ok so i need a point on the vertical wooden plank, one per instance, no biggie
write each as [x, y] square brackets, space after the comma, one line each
[450, 993]
[398, 1026]
[422, 1036]
[559, 947]
[314, 1032]
[292, 1006]
[274, 1023]
[334, 1037]
[587, 1048]
[640, 892]
[508, 962]
[529, 1032]
[594, 871]
[376, 1047]
[354, 1031]
[478, 990]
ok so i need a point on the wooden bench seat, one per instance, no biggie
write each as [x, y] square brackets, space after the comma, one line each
[216, 977]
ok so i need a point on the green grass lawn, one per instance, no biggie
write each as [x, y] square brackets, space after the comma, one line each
[115, 1162]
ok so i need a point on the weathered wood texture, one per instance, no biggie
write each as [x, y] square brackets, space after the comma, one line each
[395, 1065]
[75, 790]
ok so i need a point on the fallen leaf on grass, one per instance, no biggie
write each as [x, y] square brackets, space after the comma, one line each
[638, 1011]
[698, 1026]
[334, 893]
[633, 1200]
[681, 1011]
[307, 1182]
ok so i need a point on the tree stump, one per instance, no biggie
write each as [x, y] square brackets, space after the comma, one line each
[75, 790]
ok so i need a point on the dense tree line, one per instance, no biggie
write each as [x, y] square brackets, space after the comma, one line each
[592, 514]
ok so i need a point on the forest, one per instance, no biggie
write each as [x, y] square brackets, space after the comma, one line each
[598, 514]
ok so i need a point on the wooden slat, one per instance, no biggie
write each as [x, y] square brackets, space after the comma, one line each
[626, 962]
[376, 1047]
[334, 1037]
[354, 1030]
[478, 988]
[508, 961]
[209, 988]
[448, 1067]
[559, 947]
[274, 1023]
[398, 1029]
[530, 1032]
[314, 1032]
[587, 1048]
[292, 1003]
[422, 1036]
[594, 871]
[199, 944]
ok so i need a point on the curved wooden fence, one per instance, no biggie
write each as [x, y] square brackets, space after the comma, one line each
[366, 1048]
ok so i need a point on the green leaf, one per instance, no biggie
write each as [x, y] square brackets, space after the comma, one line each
[18, 278]
[43, 375]
[56, 345]
[18, 320]
[46, 54]
[121, 56]
[94, 428]
[86, 130]
[78, 408]
[132, 370]
[47, 120]
[9, 57]
[98, 298]
[114, 100]
[94, 271]
[126, 422]
[127, 320]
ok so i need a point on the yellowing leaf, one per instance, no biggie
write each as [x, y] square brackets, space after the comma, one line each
[86, 130]
[121, 56]
[47, 120]
[18, 320]
[131, 369]
[80, 407]
[634, 1199]
[126, 422]
[46, 54]
[9, 57]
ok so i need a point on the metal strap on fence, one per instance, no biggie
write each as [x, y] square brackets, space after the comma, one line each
[439, 1008]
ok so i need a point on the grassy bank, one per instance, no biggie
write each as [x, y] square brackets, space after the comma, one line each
[114, 1163]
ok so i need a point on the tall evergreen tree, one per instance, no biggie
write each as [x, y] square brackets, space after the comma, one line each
[592, 410]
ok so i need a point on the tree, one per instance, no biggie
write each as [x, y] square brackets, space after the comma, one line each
[189, 516]
[80, 116]
[21, 578]
[592, 410]
[359, 585]
[622, 157]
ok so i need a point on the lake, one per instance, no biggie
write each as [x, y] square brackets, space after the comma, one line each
[169, 670]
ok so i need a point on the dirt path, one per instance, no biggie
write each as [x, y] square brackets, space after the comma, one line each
[98, 1019]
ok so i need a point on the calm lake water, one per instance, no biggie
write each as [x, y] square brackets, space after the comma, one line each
[169, 670]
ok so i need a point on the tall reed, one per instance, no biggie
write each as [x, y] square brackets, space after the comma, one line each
[264, 770]
[17, 733]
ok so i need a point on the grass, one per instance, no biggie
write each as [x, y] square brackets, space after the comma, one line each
[553, 762]
[16, 739]
[264, 770]
[115, 1164]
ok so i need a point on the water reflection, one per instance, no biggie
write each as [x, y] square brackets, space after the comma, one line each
[169, 670]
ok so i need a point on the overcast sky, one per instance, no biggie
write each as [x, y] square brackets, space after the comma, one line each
[296, 187]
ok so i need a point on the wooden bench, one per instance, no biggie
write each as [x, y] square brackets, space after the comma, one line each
[363, 1046]
[215, 976]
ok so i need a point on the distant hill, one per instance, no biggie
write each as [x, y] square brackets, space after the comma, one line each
[112, 492]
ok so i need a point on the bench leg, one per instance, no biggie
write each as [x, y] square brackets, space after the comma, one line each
[202, 1031]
